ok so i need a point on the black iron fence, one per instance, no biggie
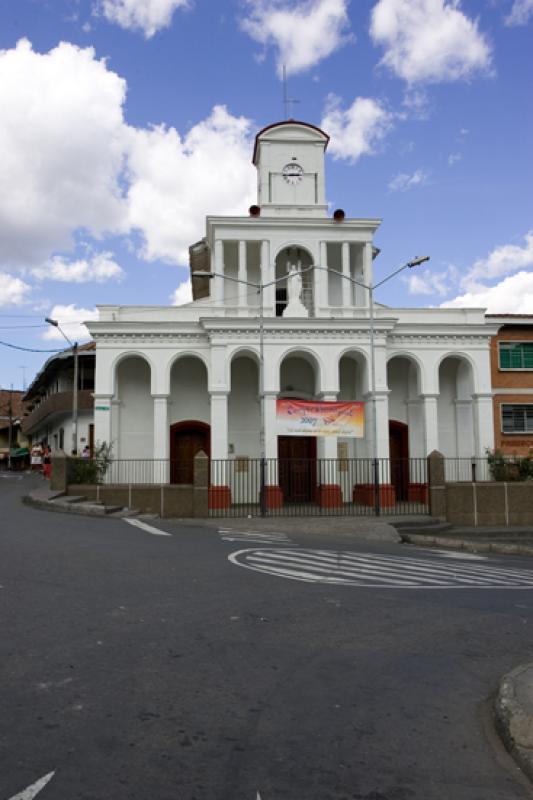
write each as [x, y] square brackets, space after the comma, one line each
[245, 487]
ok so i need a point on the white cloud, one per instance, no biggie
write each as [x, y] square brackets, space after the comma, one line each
[427, 41]
[502, 260]
[175, 181]
[70, 165]
[513, 295]
[61, 139]
[182, 294]
[520, 13]
[148, 16]
[453, 158]
[359, 129]
[403, 181]
[13, 291]
[428, 283]
[99, 268]
[71, 318]
[304, 32]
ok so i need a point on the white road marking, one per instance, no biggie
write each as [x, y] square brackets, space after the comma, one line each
[34, 789]
[454, 554]
[137, 523]
[378, 571]
[266, 537]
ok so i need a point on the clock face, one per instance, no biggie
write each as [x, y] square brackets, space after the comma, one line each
[292, 173]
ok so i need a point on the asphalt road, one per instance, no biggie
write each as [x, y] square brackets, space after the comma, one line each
[154, 668]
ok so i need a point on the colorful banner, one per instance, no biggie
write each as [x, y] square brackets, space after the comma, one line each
[302, 418]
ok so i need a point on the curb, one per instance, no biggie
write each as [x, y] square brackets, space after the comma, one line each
[514, 715]
[81, 510]
[468, 545]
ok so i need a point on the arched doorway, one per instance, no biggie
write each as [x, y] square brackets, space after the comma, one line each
[187, 439]
[297, 455]
[302, 259]
[399, 458]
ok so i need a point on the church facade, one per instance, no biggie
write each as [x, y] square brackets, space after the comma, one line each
[173, 380]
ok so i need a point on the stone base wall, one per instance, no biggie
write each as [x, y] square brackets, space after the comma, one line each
[164, 500]
[489, 504]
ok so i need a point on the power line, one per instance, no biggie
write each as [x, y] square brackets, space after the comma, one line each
[28, 349]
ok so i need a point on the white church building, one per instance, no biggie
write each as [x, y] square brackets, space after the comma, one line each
[171, 381]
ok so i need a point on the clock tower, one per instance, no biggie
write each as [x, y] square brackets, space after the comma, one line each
[289, 157]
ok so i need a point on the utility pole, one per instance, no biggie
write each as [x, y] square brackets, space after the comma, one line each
[10, 434]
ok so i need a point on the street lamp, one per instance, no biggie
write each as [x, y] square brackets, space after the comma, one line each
[74, 346]
[260, 287]
[415, 262]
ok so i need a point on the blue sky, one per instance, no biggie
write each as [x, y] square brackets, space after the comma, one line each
[125, 122]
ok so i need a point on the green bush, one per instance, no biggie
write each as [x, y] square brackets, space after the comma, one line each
[91, 470]
[510, 468]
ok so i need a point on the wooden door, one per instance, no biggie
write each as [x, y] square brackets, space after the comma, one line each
[399, 458]
[186, 441]
[297, 468]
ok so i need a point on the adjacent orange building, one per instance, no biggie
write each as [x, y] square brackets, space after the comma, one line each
[512, 383]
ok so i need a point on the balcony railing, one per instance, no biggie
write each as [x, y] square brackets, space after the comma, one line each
[59, 403]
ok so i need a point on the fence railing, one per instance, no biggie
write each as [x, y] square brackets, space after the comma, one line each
[245, 486]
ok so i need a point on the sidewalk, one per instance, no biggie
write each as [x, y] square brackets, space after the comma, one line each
[514, 715]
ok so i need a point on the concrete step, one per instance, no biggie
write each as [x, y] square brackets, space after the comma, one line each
[74, 498]
[124, 513]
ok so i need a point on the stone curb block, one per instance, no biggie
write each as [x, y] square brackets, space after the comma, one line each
[469, 545]
[514, 715]
[63, 508]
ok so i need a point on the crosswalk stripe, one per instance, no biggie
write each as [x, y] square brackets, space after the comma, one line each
[375, 570]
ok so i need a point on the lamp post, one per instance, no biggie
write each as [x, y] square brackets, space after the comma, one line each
[74, 346]
[415, 262]
[259, 287]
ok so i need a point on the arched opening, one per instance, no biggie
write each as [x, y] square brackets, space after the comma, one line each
[187, 439]
[405, 406]
[244, 413]
[297, 454]
[134, 412]
[286, 259]
[455, 415]
[189, 417]
[353, 384]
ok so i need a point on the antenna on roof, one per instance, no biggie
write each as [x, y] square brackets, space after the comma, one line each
[287, 101]
[23, 367]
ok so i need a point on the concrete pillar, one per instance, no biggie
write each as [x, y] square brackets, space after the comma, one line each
[103, 431]
[464, 429]
[431, 423]
[161, 438]
[219, 425]
[273, 494]
[368, 270]
[242, 274]
[218, 282]
[219, 491]
[115, 426]
[346, 283]
[329, 489]
[267, 275]
[321, 281]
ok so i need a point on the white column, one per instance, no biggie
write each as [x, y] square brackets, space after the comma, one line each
[367, 271]
[219, 438]
[103, 431]
[346, 283]
[161, 438]
[242, 274]
[115, 426]
[483, 423]
[218, 282]
[219, 425]
[267, 275]
[327, 449]
[382, 416]
[321, 299]
[271, 431]
[431, 423]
